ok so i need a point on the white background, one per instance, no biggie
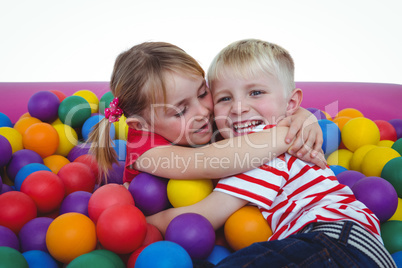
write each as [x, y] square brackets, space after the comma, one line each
[78, 40]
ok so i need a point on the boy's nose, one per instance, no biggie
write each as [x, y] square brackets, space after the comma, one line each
[239, 108]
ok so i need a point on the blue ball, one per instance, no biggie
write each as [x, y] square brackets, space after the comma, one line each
[120, 146]
[331, 135]
[5, 121]
[39, 259]
[88, 125]
[218, 254]
[337, 169]
[27, 170]
[164, 254]
[397, 256]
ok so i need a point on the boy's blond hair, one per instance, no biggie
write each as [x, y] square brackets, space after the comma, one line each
[248, 58]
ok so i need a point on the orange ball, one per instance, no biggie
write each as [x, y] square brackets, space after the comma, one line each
[246, 226]
[341, 121]
[350, 112]
[70, 235]
[22, 124]
[41, 138]
[55, 162]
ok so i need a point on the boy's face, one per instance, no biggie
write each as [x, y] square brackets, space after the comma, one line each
[241, 104]
[185, 119]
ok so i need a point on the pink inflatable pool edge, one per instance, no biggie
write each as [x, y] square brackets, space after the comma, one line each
[377, 101]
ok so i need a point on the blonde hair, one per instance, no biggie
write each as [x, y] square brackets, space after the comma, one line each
[249, 57]
[138, 82]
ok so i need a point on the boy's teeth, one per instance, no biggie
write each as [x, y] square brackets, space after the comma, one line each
[246, 124]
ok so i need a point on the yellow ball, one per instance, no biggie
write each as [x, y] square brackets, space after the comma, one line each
[358, 155]
[187, 192]
[55, 162]
[90, 97]
[68, 138]
[385, 143]
[246, 226]
[70, 235]
[121, 128]
[358, 132]
[340, 157]
[350, 112]
[13, 137]
[375, 160]
[398, 213]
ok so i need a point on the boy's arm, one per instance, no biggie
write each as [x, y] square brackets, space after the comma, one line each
[217, 207]
[216, 160]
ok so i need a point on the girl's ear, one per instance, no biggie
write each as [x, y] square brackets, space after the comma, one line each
[137, 123]
[294, 101]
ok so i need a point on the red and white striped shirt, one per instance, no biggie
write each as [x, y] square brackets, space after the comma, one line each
[291, 193]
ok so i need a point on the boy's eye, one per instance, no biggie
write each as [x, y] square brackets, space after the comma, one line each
[181, 113]
[224, 99]
[256, 92]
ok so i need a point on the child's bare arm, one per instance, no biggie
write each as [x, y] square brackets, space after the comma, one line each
[217, 207]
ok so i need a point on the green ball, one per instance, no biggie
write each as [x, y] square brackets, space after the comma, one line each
[91, 260]
[117, 261]
[11, 258]
[397, 146]
[104, 101]
[392, 172]
[391, 234]
[74, 111]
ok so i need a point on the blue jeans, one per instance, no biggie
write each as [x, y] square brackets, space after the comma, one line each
[314, 249]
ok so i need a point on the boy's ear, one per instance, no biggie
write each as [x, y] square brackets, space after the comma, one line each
[294, 101]
[137, 123]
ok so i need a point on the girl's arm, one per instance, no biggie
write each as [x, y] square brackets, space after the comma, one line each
[216, 207]
[216, 160]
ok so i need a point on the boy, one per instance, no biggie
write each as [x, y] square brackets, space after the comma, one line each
[315, 220]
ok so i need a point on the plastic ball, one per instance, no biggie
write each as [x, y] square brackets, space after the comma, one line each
[121, 128]
[12, 258]
[59, 94]
[358, 132]
[391, 234]
[22, 124]
[121, 228]
[107, 196]
[387, 130]
[218, 254]
[113, 257]
[45, 188]
[397, 257]
[133, 256]
[16, 210]
[152, 235]
[120, 147]
[44, 105]
[76, 202]
[341, 121]
[77, 177]
[317, 113]
[90, 161]
[77, 151]
[6, 151]
[94, 259]
[246, 226]
[194, 233]
[104, 101]
[397, 124]
[375, 160]
[27, 170]
[74, 110]
[55, 162]
[5, 121]
[187, 192]
[165, 254]
[39, 259]
[149, 193]
[378, 195]
[397, 146]
[69, 236]
[33, 234]
[115, 174]
[90, 123]
[398, 213]
[340, 157]
[349, 112]
[392, 172]
[357, 157]
[68, 139]
[349, 177]
[331, 135]
[8, 238]
[337, 169]
[90, 97]
[385, 143]
[13, 137]
[41, 138]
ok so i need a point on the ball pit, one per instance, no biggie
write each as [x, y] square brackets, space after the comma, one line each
[334, 106]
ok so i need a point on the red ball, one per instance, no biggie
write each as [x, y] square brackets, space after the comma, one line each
[90, 161]
[121, 228]
[16, 209]
[153, 235]
[106, 196]
[77, 177]
[387, 130]
[45, 188]
[133, 257]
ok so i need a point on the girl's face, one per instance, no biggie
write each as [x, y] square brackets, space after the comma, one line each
[186, 118]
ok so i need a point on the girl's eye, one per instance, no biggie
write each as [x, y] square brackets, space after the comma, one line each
[256, 92]
[181, 113]
[203, 95]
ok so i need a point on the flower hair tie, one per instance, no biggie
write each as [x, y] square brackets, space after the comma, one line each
[113, 113]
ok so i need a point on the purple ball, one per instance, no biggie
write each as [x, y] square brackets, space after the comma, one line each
[44, 105]
[194, 233]
[378, 195]
[33, 234]
[397, 123]
[78, 150]
[1, 184]
[8, 238]
[149, 193]
[22, 158]
[349, 177]
[116, 173]
[317, 113]
[76, 202]
[6, 151]
[6, 188]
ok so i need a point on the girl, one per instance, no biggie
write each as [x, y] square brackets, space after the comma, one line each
[163, 93]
